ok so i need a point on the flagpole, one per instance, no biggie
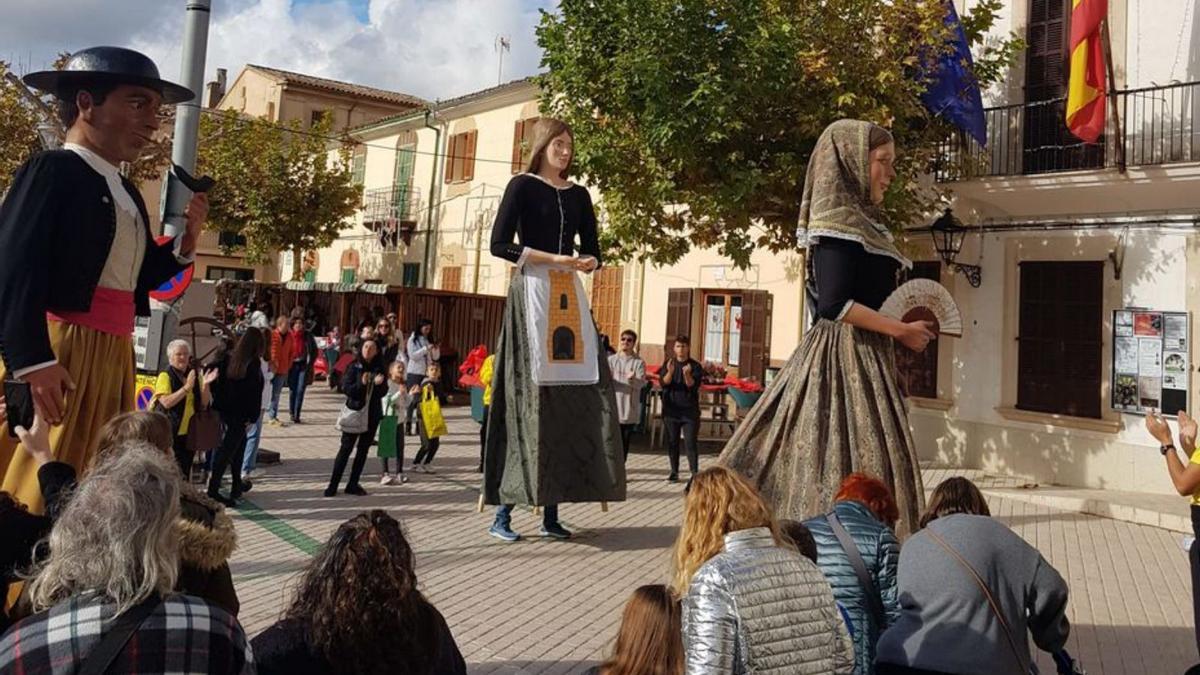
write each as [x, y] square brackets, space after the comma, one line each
[1106, 40]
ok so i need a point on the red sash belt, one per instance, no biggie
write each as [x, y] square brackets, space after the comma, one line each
[112, 312]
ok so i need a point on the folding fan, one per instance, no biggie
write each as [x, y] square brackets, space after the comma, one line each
[925, 300]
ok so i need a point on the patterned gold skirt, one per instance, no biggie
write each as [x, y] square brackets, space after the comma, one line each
[834, 409]
[101, 365]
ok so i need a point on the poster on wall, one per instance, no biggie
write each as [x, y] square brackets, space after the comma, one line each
[1151, 366]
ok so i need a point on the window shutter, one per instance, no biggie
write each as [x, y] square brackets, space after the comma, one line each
[468, 172]
[1060, 339]
[450, 154]
[754, 354]
[679, 315]
[452, 278]
[518, 141]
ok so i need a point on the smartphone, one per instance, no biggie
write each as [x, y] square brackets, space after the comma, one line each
[18, 399]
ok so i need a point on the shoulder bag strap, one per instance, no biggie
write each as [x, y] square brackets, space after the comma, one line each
[1021, 660]
[874, 602]
[118, 635]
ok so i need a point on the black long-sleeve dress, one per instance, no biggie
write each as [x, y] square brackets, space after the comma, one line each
[547, 444]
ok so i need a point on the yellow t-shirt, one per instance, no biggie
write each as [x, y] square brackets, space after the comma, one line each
[1195, 460]
[486, 372]
[163, 387]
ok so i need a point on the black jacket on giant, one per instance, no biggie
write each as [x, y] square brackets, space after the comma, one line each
[57, 225]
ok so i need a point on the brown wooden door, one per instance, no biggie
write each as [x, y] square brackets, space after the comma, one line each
[755, 349]
[606, 300]
[919, 372]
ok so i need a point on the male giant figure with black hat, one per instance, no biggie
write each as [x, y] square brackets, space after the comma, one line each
[78, 259]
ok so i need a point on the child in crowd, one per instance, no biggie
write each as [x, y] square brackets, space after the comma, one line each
[431, 387]
[650, 637]
[397, 399]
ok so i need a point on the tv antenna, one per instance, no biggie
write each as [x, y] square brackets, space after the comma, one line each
[503, 45]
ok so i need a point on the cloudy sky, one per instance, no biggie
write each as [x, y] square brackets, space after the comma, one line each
[430, 48]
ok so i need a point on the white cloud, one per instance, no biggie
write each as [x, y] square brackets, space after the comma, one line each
[430, 48]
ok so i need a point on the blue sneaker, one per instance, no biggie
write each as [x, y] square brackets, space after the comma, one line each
[503, 533]
[555, 531]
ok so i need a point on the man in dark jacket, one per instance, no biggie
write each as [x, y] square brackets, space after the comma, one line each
[77, 256]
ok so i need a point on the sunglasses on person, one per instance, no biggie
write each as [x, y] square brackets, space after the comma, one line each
[626, 339]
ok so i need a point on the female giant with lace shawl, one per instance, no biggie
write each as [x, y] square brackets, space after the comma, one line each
[835, 408]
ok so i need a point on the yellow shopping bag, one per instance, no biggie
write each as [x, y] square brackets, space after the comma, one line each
[431, 414]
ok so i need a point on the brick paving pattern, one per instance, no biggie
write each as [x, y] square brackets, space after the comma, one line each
[541, 606]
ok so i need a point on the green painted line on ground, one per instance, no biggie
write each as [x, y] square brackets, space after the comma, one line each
[278, 527]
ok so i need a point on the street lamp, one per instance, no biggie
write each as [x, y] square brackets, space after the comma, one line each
[948, 234]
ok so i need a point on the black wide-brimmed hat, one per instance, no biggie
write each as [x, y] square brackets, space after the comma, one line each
[115, 65]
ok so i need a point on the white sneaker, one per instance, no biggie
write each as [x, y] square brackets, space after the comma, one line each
[255, 473]
[428, 469]
[400, 479]
[385, 479]
[418, 468]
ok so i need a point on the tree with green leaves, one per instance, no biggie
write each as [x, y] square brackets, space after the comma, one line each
[696, 118]
[18, 129]
[276, 184]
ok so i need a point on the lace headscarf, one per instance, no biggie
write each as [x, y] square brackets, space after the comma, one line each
[837, 191]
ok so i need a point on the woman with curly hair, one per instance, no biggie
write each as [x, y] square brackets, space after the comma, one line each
[358, 610]
[751, 602]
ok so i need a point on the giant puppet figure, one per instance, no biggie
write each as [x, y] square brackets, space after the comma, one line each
[835, 408]
[78, 258]
[553, 434]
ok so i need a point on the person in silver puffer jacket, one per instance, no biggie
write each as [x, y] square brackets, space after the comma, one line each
[752, 604]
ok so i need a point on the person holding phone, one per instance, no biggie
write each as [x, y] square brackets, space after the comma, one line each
[1185, 477]
[78, 257]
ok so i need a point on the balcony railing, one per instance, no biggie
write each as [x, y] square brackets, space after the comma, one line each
[1158, 125]
[398, 202]
[392, 212]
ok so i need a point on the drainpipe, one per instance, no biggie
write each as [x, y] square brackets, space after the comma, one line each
[433, 175]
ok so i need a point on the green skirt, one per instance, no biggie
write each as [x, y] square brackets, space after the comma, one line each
[548, 445]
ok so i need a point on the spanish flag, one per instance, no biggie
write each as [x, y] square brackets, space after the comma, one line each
[1086, 87]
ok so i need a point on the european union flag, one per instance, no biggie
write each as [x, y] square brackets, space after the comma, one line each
[953, 91]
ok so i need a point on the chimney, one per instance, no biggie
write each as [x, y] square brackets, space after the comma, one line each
[216, 90]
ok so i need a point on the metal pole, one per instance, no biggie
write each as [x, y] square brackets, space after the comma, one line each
[187, 115]
[1106, 40]
[183, 152]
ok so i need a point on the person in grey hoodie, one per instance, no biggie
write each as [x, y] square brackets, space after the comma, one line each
[972, 592]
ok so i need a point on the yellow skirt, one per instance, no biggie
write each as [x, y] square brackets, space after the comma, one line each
[101, 365]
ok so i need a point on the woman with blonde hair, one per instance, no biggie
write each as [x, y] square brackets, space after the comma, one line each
[552, 433]
[649, 640]
[751, 602]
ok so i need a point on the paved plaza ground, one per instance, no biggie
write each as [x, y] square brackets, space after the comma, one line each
[541, 606]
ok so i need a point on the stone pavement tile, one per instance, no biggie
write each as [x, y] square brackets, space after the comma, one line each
[551, 607]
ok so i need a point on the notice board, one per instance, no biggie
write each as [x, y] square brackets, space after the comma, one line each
[1151, 362]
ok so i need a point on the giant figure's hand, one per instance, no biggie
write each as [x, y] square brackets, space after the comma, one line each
[49, 387]
[196, 214]
[916, 335]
